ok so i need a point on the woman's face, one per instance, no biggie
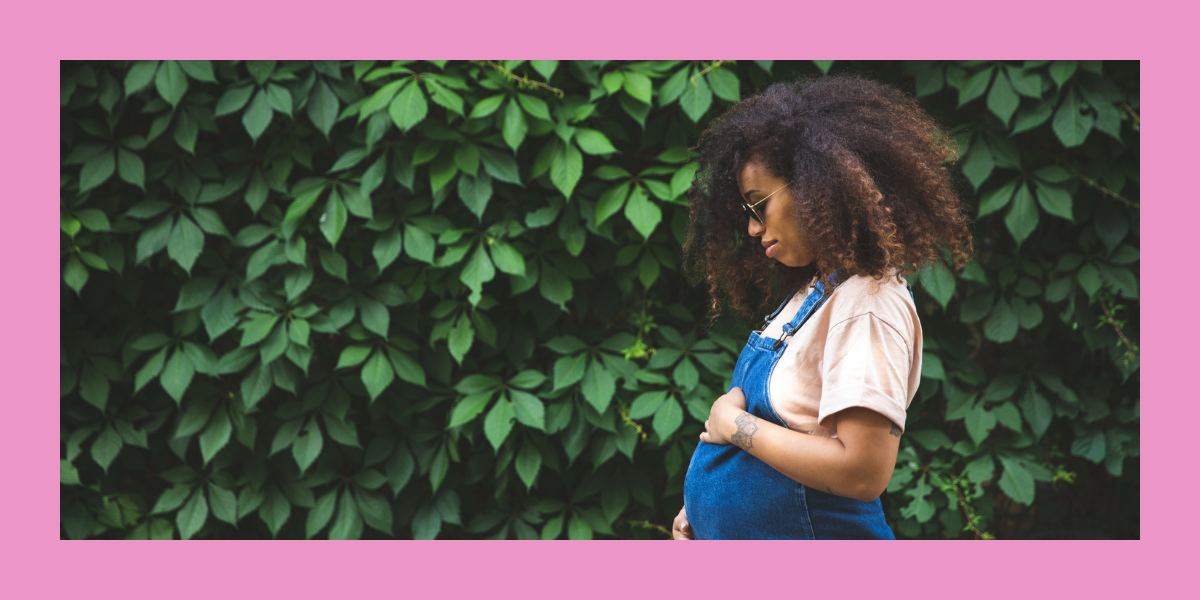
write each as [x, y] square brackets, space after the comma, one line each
[781, 237]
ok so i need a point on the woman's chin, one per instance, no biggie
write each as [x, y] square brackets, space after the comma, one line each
[790, 261]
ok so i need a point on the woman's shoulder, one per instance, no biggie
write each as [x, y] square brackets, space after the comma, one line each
[886, 298]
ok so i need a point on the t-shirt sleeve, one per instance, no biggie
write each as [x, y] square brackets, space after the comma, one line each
[866, 363]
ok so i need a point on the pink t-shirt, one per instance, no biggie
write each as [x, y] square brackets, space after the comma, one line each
[861, 348]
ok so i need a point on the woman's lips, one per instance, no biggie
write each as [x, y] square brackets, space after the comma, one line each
[771, 249]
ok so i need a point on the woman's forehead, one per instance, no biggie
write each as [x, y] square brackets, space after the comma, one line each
[752, 174]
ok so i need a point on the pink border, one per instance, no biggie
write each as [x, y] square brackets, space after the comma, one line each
[41, 34]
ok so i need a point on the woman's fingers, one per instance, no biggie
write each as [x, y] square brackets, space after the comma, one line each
[681, 529]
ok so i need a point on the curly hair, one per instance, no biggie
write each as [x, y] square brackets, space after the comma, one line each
[872, 188]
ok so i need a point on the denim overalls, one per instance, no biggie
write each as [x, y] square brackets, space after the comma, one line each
[729, 494]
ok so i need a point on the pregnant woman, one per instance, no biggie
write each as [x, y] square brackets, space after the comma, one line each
[834, 188]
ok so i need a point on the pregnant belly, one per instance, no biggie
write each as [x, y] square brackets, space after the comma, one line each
[730, 494]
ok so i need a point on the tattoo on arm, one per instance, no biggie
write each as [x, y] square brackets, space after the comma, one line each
[895, 430]
[747, 425]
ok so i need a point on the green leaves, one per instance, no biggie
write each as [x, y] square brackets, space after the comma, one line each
[566, 168]
[171, 82]
[1071, 124]
[139, 75]
[96, 170]
[1022, 216]
[460, 281]
[377, 375]
[257, 116]
[696, 98]
[409, 107]
[642, 212]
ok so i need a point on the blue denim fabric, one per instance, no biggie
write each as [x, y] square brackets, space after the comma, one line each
[730, 494]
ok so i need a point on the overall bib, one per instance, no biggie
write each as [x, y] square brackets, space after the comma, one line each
[730, 494]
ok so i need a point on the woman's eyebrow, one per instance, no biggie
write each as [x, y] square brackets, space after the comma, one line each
[747, 193]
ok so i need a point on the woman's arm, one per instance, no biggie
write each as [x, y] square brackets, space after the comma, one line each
[857, 464]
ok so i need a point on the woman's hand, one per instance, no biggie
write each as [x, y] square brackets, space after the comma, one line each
[681, 530]
[719, 427]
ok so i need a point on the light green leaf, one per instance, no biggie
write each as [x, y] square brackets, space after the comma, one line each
[279, 99]
[1002, 99]
[611, 201]
[106, 446]
[387, 248]
[499, 422]
[377, 375]
[171, 82]
[696, 98]
[97, 170]
[725, 84]
[200, 70]
[130, 168]
[477, 270]
[1062, 70]
[475, 193]
[407, 368]
[938, 281]
[215, 436]
[975, 86]
[529, 409]
[186, 243]
[598, 386]
[192, 516]
[668, 418]
[507, 258]
[566, 168]
[418, 243]
[1055, 201]
[319, 515]
[140, 74]
[257, 116]
[486, 107]
[233, 100]
[462, 335]
[1022, 216]
[593, 142]
[536, 107]
[374, 315]
[569, 369]
[639, 86]
[468, 408]
[75, 274]
[1090, 446]
[642, 212]
[1070, 125]
[307, 446]
[1002, 324]
[996, 199]
[979, 422]
[528, 463]
[322, 107]
[514, 126]
[1016, 482]
[177, 375]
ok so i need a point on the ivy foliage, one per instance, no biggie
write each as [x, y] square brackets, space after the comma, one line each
[441, 299]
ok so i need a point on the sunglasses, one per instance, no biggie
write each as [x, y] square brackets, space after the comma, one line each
[750, 208]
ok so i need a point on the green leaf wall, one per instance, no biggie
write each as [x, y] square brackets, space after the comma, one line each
[441, 299]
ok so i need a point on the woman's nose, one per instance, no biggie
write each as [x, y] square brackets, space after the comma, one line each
[755, 229]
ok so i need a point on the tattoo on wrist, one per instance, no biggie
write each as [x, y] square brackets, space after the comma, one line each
[747, 425]
[895, 430]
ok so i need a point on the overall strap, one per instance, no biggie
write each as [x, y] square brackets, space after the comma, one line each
[771, 317]
[811, 303]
